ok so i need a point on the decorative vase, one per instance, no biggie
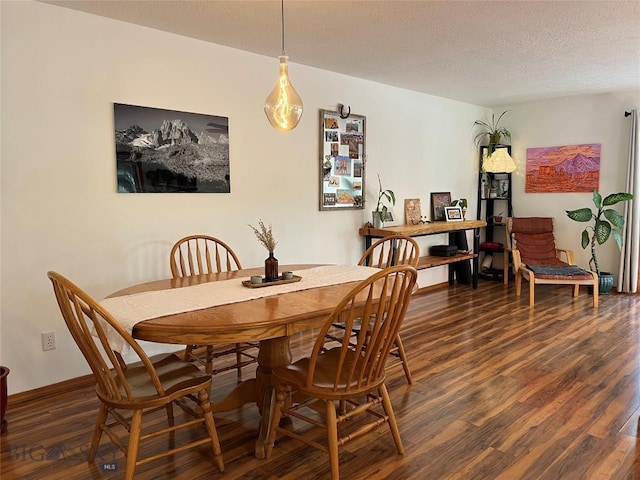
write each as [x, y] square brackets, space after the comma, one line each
[4, 371]
[271, 268]
[377, 222]
[464, 213]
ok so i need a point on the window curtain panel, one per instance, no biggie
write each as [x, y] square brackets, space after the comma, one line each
[630, 256]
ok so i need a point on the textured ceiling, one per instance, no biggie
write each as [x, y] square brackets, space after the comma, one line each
[480, 52]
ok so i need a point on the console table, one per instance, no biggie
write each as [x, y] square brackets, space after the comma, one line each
[434, 228]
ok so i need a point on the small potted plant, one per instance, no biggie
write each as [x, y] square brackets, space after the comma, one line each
[491, 131]
[601, 229]
[462, 202]
[380, 213]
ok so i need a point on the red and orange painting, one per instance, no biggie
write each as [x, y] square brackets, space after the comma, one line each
[570, 168]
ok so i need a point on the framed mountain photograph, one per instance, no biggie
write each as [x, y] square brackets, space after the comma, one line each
[166, 151]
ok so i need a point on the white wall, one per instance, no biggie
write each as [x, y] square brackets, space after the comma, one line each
[61, 73]
[570, 121]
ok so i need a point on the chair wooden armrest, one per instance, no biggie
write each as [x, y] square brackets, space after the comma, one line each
[569, 256]
[517, 260]
[505, 265]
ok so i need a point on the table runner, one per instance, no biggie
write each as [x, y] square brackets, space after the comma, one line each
[131, 309]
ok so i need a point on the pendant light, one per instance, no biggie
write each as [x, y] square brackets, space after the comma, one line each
[283, 106]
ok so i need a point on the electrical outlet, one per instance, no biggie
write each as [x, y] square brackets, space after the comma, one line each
[48, 341]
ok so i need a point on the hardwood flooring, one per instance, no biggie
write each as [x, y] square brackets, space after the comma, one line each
[501, 391]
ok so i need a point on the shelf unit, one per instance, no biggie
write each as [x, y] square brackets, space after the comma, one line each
[433, 228]
[494, 201]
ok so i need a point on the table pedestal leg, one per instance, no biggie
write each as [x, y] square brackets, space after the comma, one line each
[275, 352]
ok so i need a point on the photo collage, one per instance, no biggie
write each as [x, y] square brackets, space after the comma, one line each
[342, 161]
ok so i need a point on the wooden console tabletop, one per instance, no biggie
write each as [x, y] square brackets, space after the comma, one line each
[435, 228]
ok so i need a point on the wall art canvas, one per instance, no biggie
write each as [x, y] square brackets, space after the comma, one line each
[166, 151]
[569, 168]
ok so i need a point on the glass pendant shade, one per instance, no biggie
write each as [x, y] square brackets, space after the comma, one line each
[499, 162]
[283, 106]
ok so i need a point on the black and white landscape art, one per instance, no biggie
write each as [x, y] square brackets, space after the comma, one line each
[168, 151]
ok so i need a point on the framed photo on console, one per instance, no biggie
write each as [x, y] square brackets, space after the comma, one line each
[439, 200]
[453, 214]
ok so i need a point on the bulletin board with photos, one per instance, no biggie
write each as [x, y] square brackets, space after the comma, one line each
[342, 158]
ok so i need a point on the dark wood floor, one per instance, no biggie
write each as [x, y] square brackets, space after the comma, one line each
[502, 391]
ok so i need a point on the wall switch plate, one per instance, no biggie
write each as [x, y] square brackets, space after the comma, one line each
[48, 341]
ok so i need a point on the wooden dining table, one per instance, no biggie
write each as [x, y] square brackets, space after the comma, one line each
[269, 320]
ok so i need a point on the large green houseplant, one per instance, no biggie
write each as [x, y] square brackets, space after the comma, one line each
[606, 223]
[491, 131]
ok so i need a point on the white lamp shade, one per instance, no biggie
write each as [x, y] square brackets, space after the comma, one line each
[499, 162]
[283, 106]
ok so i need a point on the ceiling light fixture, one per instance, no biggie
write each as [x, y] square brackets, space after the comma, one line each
[499, 162]
[283, 106]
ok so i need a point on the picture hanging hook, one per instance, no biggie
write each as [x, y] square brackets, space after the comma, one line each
[341, 112]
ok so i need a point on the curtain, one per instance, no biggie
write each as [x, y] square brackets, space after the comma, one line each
[630, 255]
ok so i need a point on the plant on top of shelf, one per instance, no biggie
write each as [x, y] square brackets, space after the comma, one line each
[601, 229]
[462, 202]
[491, 131]
[389, 196]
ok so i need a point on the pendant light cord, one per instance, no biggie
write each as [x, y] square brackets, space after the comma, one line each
[282, 18]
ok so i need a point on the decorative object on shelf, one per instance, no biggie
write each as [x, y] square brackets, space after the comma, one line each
[602, 228]
[491, 131]
[462, 203]
[342, 161]
[498, 162]
[453, 214]
[569, 168]
[412, 211]
[439, 200]
[381, 213]
[265, 237]
[283, 106]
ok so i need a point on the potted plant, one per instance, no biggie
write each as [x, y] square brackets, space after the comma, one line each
[462, 202]
[380, 213]
[491, 131]
[601, 229]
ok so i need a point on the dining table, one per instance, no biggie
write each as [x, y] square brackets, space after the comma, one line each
[280, 311]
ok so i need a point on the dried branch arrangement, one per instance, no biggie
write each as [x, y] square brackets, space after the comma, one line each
[265, 236]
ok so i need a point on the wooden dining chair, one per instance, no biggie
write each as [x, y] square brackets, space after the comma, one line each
[129, 391]
[536, 258]
[352, 374]
[386, 252]
[201, 255]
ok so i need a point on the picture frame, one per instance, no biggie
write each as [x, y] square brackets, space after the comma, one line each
[453, 214]
[503, 188]
[439, 200]
[412, 211]
[342, 161]
[149, 161]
